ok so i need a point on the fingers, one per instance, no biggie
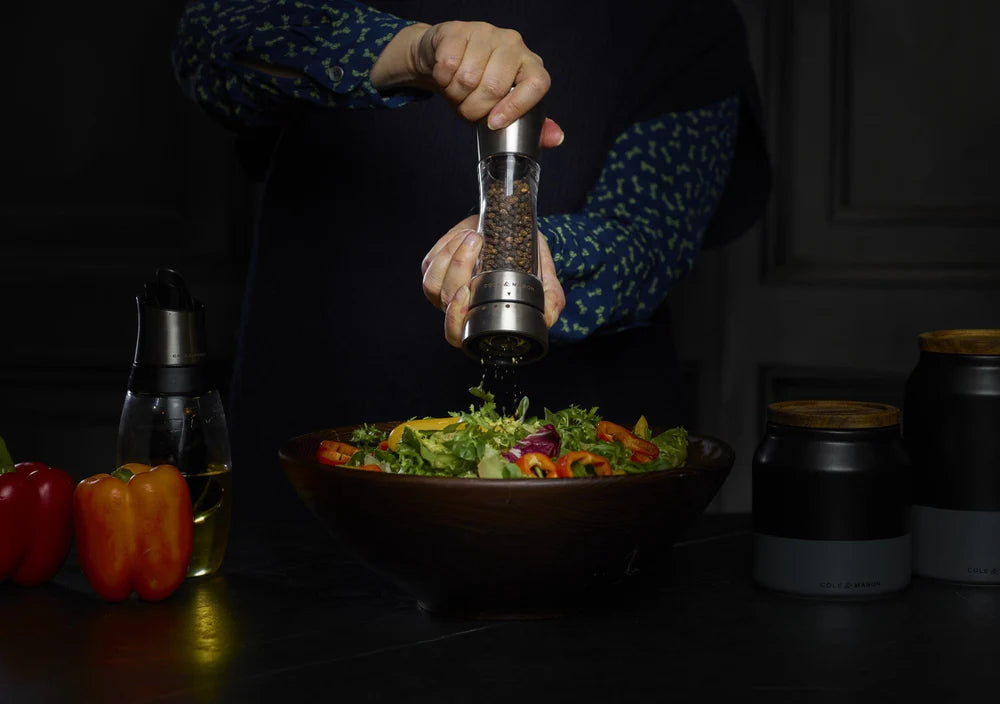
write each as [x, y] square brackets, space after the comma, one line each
[461, 58]
[451, 267]
[475, 65]
[555, 297]
[447, 271]
[469, 223]
[555, 300]
[531, 83]
[454, 316]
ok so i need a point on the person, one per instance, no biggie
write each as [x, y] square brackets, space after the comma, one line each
[358, 119]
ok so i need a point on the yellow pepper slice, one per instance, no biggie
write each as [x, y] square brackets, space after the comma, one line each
[419, 424]
[641, 428]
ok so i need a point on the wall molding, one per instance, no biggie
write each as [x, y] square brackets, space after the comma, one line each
[916, 230]
[841, 209]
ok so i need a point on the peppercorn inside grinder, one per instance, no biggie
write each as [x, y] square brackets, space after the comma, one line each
[506, 320]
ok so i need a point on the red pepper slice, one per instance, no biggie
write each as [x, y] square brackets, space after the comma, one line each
[368, 467]
[36, 522]
[529, 461]
[599, 464]
[134, 534]
[642, 450]
[334, 453]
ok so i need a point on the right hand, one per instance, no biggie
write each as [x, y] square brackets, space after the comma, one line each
[447, 272]
[473, 65]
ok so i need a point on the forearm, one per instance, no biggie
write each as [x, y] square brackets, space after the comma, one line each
[641, 228]
[615, 274]
[251, 63]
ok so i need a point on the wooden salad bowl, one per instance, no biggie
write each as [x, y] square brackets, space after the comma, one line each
[506, 548]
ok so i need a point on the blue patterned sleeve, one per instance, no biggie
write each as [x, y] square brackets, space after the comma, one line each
[641, 227]
[327, 47]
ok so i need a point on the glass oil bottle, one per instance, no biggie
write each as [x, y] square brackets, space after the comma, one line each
[171, 416]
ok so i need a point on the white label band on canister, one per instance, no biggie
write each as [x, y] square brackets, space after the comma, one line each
[835, 568]
[957, 546]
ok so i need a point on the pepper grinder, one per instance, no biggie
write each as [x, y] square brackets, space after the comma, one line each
[171, 416]
[506, 321]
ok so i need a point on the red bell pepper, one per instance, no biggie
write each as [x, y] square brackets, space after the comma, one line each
[36, 520]
[334, 453]
[134, 531]
[642, 450]
[528, 462]
[599, 464]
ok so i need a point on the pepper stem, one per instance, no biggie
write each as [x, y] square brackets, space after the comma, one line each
[6, 463]
[123, 473]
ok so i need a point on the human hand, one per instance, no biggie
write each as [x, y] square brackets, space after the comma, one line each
[447, 272]
[473, 65]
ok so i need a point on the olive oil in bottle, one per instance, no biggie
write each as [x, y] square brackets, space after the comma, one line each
[211, 500]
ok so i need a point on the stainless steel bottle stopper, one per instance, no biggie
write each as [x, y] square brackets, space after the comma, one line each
[170, 349]
[506, 320]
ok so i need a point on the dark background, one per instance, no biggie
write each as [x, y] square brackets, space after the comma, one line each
[882, 120]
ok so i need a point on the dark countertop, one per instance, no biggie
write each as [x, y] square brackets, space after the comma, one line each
[290, 616]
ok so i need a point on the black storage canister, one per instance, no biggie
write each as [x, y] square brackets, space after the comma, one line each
[951, 430]
[831, 500]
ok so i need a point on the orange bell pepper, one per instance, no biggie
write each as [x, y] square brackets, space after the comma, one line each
[134, 531]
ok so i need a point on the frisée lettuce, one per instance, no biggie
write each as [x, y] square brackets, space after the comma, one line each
[482, 442]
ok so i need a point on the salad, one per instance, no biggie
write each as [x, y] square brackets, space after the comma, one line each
[480, 442]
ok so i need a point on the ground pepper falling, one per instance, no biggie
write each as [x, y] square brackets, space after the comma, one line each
[509, 227]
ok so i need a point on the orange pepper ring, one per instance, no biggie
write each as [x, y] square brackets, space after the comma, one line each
[529, 460]
[602, 467]
[334, 452]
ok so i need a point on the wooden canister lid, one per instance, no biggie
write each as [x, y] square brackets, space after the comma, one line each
[843, 415]
[960, 341]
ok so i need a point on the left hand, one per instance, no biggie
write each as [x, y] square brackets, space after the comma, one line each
[484, 71]
[447, 271]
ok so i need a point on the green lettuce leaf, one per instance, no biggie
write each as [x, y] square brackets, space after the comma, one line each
[409, 458]
[367, 436]
[575, 425]
[673, 444]
[441, 458]
[494, 466]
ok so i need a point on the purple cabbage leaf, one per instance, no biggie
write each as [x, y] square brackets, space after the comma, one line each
[545, 440]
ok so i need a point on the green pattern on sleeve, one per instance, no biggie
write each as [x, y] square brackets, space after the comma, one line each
[644, 219]
[327, 48]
